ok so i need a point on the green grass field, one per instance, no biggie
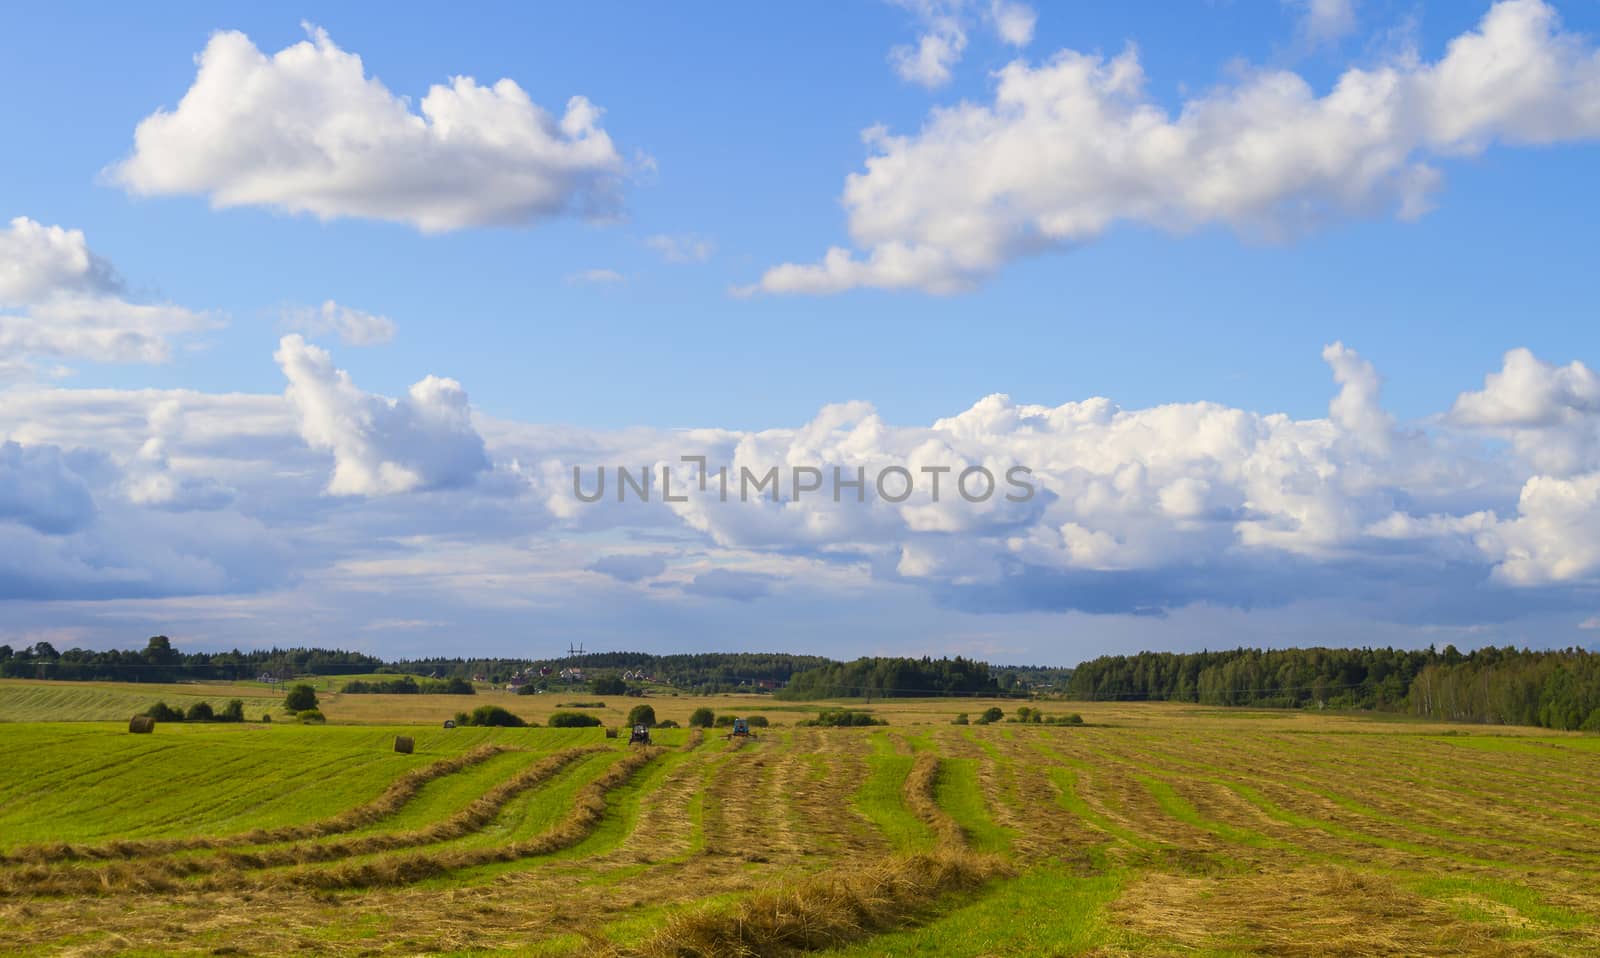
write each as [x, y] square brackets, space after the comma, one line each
[1152, 830]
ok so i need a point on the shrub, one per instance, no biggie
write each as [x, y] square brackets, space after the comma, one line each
[310, 717]
[267, 718]
[843, 719]
[573, 720]
[494, 715]
[580, 705]
[960, 720]
[609, 685]
[757, 721]
[668, 723]
[462, 720]
[992, 714]
[162, 712]
[300, 698]
[232, 712]
[199, 712]
[702, 718]
[724, 721]
[642, 715]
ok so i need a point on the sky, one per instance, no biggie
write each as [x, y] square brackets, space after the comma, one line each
[1284, 309]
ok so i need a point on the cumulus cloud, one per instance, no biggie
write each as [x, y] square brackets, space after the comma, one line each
[354, 327]
[1134, 511]
[1074, 145]
[61, 301]
[381, 446]
[1324, 21]
[39, 490]
[308, 131]
[942, 39]
[1550, 414]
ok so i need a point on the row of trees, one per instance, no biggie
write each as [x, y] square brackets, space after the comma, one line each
[406, 685]
[158, 661]
[892, 678]
[1554, 689]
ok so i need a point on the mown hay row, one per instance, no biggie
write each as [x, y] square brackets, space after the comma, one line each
[821, 912]
[589, 808]
[920, 793]
[228, 867]
[401, 791]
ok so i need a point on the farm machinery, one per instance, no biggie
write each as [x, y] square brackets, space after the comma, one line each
[741, 729]
[640, 736]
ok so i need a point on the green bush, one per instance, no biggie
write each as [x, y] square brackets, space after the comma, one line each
[162, 712]
[573, 720]
[668, 723]
[232, 712]
[842, 719]
[960, 720]
[494, 715]
[580, 705]
[758, 721]
[609, 685]
[300, 698]
[702, 718]
[724, 721]
[199, 712]
[991, 714]
[642, 715]
[310, 717]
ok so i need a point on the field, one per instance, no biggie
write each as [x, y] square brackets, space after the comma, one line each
[1151, 830]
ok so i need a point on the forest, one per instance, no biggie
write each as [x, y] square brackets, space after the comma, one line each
[158, 661]
[1555, 689]
[892, 678]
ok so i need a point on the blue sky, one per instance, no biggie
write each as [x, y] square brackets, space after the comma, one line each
[732, 135]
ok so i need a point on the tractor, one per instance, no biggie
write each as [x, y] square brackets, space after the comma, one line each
[741, 729]
[640, 736]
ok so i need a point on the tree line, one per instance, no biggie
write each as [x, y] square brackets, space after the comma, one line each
[1557, 689]
[158, 661]
[892, 678]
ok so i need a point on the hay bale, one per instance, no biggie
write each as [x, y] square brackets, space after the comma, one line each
[403, 743]
[141, 725]
[611, 733]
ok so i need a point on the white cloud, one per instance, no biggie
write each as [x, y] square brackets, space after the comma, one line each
[683, 248]
[1591, 623]
[308, 131]
[381, 446]
[929, 62]
[1139, 511]
[597, 277]
[1072, 146]
[1324, 21]
[1555, 536]
[60, 301]
[943, 33]
[1013, 21]
[354, 327]
[1550, 414]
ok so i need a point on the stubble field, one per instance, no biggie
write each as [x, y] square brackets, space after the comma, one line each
[1153, 829]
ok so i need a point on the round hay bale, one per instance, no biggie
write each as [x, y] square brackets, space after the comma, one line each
[611, 733]
[141, 725]
[403, 743]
